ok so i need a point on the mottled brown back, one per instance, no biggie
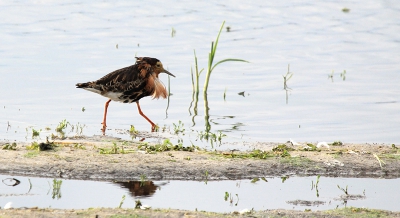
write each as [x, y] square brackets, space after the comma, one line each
[134, 82]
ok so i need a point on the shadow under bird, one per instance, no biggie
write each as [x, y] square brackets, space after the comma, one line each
[130, 84]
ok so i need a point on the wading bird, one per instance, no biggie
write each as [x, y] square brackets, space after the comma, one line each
[130, 84]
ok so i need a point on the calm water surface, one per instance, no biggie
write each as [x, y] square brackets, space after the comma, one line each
[47, 47]
[292, 193]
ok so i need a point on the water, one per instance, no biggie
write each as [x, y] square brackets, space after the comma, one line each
[48, 47]
[294, 193]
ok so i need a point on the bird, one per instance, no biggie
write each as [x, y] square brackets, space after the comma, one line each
[130, 84]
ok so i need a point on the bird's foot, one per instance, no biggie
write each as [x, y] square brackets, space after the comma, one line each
[103, 130]
[154, 128]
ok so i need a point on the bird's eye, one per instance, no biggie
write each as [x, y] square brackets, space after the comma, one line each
[158, 65]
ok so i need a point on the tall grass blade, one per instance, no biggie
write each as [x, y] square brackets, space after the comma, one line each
[169, 93]
[211, 56]
[226, 60]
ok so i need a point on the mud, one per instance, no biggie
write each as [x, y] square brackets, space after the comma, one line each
[108, 212]
[81, 159]
[93, 158]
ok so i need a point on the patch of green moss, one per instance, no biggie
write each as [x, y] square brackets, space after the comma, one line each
[311, 147]
[394, 156]
[9, 146]
[166, 146]
[282, 150]
[256, 154]
[337, 143]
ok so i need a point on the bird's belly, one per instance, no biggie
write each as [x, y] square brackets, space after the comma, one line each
[115, 96]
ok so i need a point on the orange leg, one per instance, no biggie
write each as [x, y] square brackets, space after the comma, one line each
[105, 116]
[153, 126]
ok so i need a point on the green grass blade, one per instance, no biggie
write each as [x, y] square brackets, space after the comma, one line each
[216, 41]
[226, 60]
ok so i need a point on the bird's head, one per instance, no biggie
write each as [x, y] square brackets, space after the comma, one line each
[158, 68]
[156, 65]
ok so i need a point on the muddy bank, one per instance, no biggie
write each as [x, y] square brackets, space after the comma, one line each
[98, 158]
[109, 212]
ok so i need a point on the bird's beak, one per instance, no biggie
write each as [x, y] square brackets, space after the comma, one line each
[167, 72]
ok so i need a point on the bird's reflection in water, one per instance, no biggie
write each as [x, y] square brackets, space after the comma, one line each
[140, 188]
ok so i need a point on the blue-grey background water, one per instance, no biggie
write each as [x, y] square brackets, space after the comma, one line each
[47, 47]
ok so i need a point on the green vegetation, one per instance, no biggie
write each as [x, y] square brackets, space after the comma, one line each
[282, 150]
[62, 126]
[56, 193]
[195, 87]
[337, 143]
[173, 32]
[133, 131]
[9, 146]
[343, 75]
[226, 196]
[79, 146]
[79, 128]
[211, 137]
[256, 154]
[344, 190]
[178, 128]
[115, 150]
[315, 185]
[195, 80]
[31, 154]
[311, 147]
[122, 201]
[33, 146]
[287, 77]
[43, 146]
[35, 133]
[225, 94]
[166, 146]
[346, 10]
[211, 55]
[254, 180]
[143, 180]
[394, 156]
[379, 160]
[138, 204]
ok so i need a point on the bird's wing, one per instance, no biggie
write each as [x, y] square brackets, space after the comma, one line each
[122, 80]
